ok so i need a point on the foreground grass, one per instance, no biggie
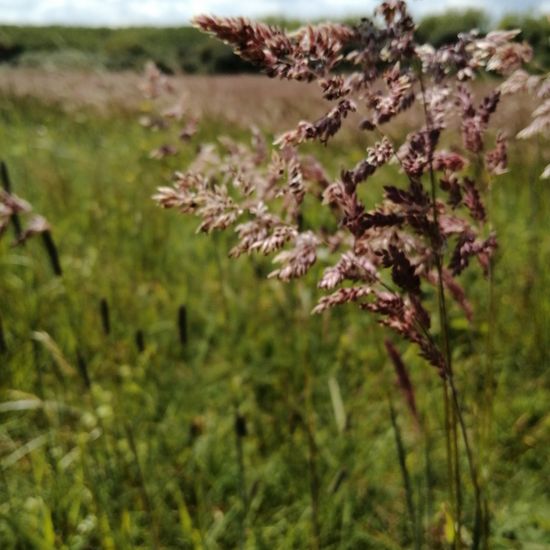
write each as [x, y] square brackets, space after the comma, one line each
[148, 454]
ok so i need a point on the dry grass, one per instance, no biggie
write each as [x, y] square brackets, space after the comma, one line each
[241, 99]
[244, 98]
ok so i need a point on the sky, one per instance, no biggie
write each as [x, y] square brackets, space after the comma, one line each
[177, 12]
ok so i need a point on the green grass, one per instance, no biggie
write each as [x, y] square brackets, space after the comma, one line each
[148, 456]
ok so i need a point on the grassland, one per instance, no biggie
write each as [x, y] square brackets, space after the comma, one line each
[153, 452]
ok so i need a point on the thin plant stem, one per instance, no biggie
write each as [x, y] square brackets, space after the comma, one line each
[401, 455]
[309, 427]
[314, 489]
[448, 449]
[489, 374]
[450, 410]
[450, 376]
[451, 444]
[471, 465]
[428, 471]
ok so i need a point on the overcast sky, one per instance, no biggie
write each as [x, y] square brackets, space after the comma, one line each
[176, 12]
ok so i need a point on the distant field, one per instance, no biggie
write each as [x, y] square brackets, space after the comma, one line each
[245, 99]
[148, 456]
[242, 99]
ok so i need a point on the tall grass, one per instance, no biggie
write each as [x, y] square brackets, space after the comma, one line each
[150, 453]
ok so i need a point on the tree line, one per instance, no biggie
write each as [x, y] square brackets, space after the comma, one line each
[184, 49]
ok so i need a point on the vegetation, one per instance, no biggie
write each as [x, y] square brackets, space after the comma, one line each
[155, 393]
[186, 49]
[443, 28]
[149, 452]
[173, 49]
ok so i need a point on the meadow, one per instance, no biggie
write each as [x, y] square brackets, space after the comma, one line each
[160, 395]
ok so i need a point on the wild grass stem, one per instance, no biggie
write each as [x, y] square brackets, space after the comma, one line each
[453, 459]
[402, 457]
[312, 451]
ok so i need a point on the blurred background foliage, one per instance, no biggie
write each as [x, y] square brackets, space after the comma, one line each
[186, 50]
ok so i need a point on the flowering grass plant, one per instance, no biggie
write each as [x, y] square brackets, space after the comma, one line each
[401, 259]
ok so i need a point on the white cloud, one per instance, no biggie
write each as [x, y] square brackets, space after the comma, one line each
[176, 12]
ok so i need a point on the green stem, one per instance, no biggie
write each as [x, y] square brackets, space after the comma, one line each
[453, 462]
[471, 465]
[309, 427]
[490, 370]
[488, 380]
[401, 455]
[312, 459]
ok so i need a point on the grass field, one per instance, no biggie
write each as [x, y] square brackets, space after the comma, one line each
[225, 432]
